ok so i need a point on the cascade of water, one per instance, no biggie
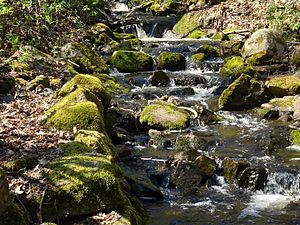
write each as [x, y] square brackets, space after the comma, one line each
[141, 33]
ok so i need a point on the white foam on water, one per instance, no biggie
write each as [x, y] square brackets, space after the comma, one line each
[120, 7]
[293, 148]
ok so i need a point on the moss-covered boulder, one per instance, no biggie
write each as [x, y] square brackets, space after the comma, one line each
[295, 60]
[263, 46]
[232, 168]
[83, 115]
[159, 78]
[79, 95]
[4, 193]
[235, 66]
[80, 185]
[206, 165]
[197, 34]
[244, 93]
[111, 85]
[82, 59]
[171, 61]
[284, 85]
[92, 83]
[198, 57]
[295, 137]
[128, 40]
[230, 48]
[7, 84]
[164, 7]
[99, 142]
[40, 80]
[162, 115]
[208, 50]
[131, 61]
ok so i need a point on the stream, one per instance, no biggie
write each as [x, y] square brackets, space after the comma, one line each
[240, 135]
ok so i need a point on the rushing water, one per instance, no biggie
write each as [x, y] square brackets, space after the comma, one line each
[240, 135]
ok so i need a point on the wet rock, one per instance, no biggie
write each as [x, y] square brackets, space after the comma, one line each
[171, 61]
[147, 93]
[208, 50]
[7, 84]
[263, 46]
[186, 175]
[190, 141]
[253, 178]
[131, 61]
[143, 188]
[179, 91]
[295, 60]
[232, 168]
[89, 82]
[161, 115]
[230, 48]
[41, 80]
[244, 93]
[206, 165]
[198, 57]
[84, 59]
[278, 139]
[189, 80]
[234, 67]
[159, 78]
[284, 85]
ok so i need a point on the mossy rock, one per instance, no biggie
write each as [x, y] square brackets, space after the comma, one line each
[129, 40]
[243, 93]
[37, 81]
[7, 84]
[74, 148]
[197, 34]
[82, 59]
[263, 46]
[84, 115]
[284, 85]
[198, 57]
[79, 95]
[89, 82]
[295, 60]
[21, 82]
[82, 184]
[206, 165]
[13, 215]
[234, 67]
[131, 61]
[232, 168]
[20, 164]
[230, 48]
[171, 61]
[56, 83]
[4, 193]
[295, 137]
[187, 24]
[111, 85]
[208, 50]
[99, 142]
[161, 115]
[285, 103]
[164, 7]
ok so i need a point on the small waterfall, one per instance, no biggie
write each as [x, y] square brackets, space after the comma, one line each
[141, 33]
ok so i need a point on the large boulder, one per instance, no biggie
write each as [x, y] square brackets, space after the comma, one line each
[206, 165]
[244, 93]
[161, 115]
[234, 67]
[263, 46]
[131, 61]
[208, 50]
[92, 83]
[82, 59]
[171, 61]
[284, 85]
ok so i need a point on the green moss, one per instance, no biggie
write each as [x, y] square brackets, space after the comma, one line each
[39, 80]
[7, 85]
[75, 148]
[171, 61]
[295, 137]
[258, 58]
[84, 115]
[82, 184]
[21, 82]
[161, 115]
[13, 215]
[79, 95]
[131, 61]
[91, 83]
[198, 57]
[208, 50]
[220, 36]
[234, 67]
[83, 59]
[99, 142]
[188, 23]
[206, 165]
[20, 164]
[197, 34]
[164, 8]
[285, 102]
[110, 83]
[55, 83]
[230, 48]
[284, 85]
[131, 40]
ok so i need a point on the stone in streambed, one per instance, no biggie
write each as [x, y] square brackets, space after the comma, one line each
[208, 50]
[89, 82]
[232, 168]
[230, 48]
[206, 165]
[160, 79]
[172, 61]
[131, 61]
[161, 115]
[284, 85]
[243, 93]
[234, 67]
